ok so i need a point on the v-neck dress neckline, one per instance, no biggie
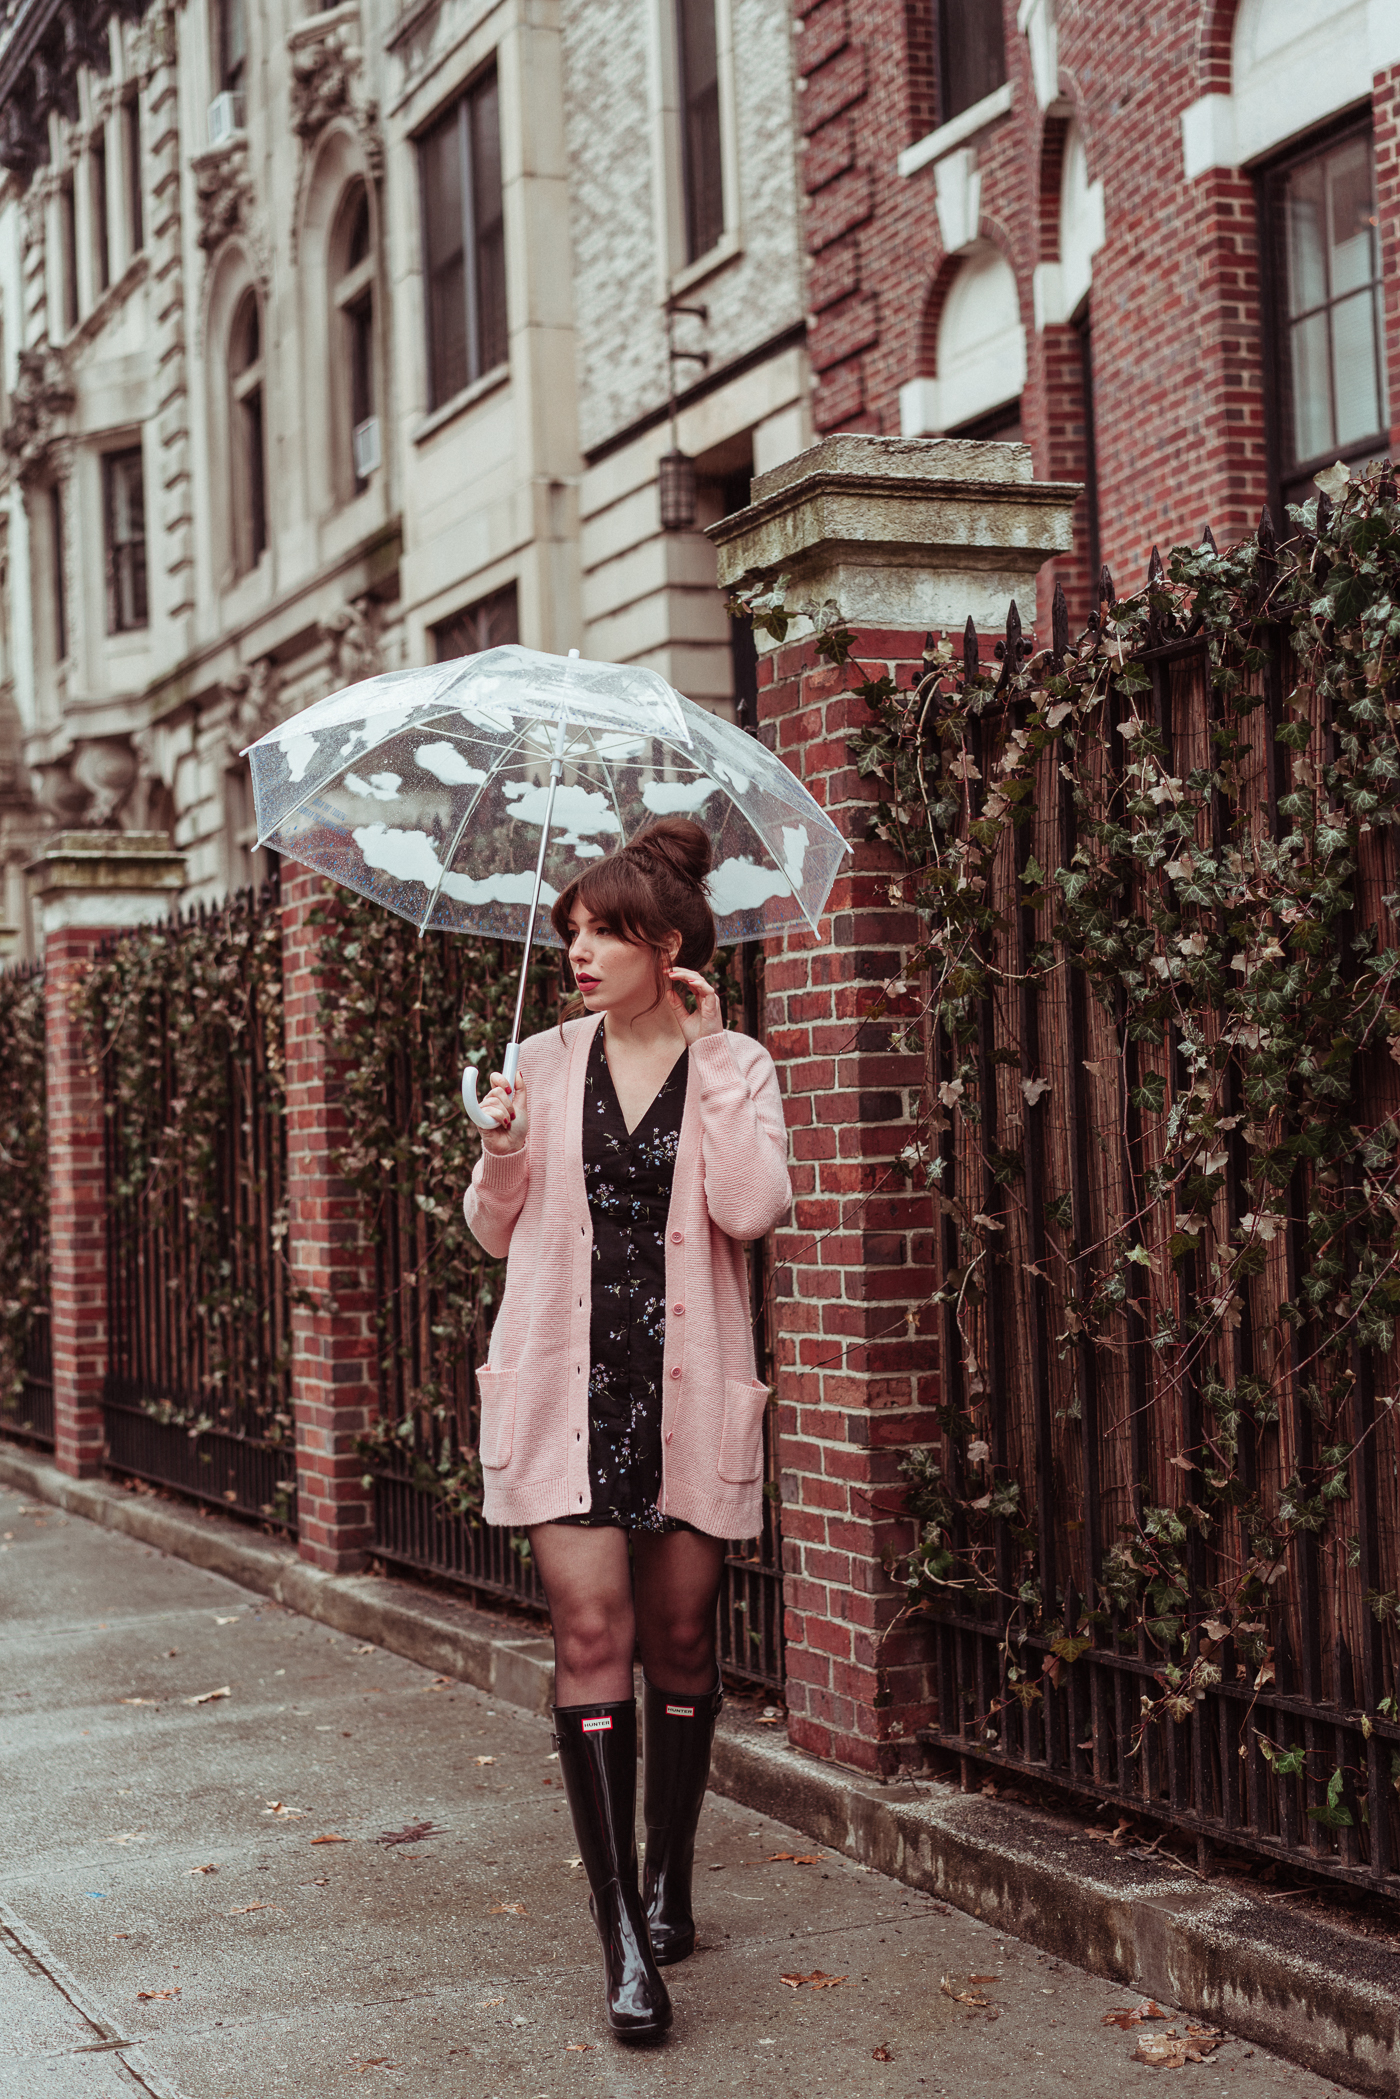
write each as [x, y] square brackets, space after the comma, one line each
[627, 1175]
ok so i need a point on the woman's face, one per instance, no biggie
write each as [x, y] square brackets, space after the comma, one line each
[613, 975]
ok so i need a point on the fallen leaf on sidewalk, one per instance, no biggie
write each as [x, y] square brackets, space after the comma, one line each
[129, 1836]
[282, 1811]
[227, 1621]
[414, 1833]
[579, 2048]
[978, 1981]
[439, 1683]
[1170, 2051]
[363, 1650]
[883, 2054]
[962, 1996]
[202, 1869]
[208, 1697]
[246, 1909]
[375, 2062]
[818, 1980]
[485, 1760]
[490, 2004]
[330, 1838]
[1128, 2016]
[150, 1996]
[507, 1909]
[795, 1858]
[573, 1862]
[138, 1701]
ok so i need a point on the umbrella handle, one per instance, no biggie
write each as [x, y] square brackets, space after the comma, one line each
[478, 1115]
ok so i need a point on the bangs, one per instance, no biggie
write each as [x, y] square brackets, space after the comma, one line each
[614, 889]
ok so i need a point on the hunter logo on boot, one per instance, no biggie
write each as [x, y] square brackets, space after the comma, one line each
[682, 1712]
[601, 1723]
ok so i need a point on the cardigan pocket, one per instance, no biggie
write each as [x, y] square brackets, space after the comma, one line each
[497, 1389]
[741, 1444]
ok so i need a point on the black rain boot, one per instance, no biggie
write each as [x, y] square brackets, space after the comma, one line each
[598, 1763]
[678, 1732]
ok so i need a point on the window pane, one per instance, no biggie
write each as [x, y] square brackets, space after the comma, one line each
[233, 42]
[136, 229]
[126, 541]
[488, 624]
[360, 323]
[68, 224]
[1351, 217]
[444, 259]
[489, 226]
[971, 53]
[1307, 267]
[252, 410]
[1354, 367]
[99, 212]
[1312, 389]
[699, 84]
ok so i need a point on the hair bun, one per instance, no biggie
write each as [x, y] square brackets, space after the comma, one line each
[680, 844]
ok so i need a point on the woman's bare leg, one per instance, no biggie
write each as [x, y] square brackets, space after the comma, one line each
[677, 1585]
[588, 1582]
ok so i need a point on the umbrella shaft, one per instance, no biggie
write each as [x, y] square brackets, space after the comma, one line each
[555, 771]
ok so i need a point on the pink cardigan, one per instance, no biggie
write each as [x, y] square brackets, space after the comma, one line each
[730, 1184]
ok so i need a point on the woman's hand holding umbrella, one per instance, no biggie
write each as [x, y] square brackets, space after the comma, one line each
[511, 1108]
[707, 1018]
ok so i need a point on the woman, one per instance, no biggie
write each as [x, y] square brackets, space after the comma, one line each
[620, 1419]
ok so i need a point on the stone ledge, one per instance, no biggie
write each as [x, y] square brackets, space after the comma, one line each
[1315, 1994]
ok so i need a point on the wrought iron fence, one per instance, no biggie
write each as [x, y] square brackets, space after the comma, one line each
[1285, 1739]
[33, 1417]
[187, 1021]
[26, 1368]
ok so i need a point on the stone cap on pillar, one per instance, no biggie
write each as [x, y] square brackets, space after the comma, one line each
[106, 879]
[910, 532]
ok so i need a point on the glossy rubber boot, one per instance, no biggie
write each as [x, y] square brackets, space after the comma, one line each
[598, 1762]
[677, 1734]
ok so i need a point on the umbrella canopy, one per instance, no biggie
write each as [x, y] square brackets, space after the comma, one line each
[429, 790]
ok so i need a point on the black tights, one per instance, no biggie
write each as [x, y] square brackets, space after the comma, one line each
[603, 1605]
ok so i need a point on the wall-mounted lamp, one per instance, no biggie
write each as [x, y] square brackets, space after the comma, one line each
[676, 479]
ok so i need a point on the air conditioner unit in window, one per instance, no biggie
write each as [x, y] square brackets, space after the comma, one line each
[225, 116]
[365, 444]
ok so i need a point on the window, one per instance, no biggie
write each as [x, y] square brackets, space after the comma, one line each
[698, 60]
[60, 591]
[135, 211]
[245, 366]
[1324, 305]
[68, 251]
[124, 517]
[971, 54]
[232, 46]
[102, 252]
[353, 296]
[485, 625]
[464, 256]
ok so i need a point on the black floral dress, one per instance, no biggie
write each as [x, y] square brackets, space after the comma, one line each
[628, 1178]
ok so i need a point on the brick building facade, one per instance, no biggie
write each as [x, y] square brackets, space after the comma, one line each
[1111, 248]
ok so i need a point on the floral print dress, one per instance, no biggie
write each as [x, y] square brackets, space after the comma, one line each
[628, 1178]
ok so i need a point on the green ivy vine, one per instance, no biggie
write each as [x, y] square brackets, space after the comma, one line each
[24, 1215]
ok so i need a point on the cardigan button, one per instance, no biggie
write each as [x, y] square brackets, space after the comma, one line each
[668, 1435]
[678, 1309]
[677, 1238]
[677, 1371]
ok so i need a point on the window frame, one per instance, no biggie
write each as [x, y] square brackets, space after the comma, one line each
[483, 609]
[943, 25]
[124, 457]
[99, 205]
[354, 313]
[1286, 473]
[695, 246]
[247, 420]
[479, 240]
[69, 301]
[135, 196]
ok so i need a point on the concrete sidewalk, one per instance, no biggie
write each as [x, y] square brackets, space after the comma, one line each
[301, 1965]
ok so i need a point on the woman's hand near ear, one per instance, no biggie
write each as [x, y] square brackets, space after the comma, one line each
[707, 1018]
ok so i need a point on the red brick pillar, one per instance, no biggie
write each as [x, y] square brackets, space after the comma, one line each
[90, 884]
[904, 536]
[335, 1390]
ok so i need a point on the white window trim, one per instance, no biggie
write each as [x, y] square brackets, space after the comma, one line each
[674, 274]
[959, 129]
[1227, 131]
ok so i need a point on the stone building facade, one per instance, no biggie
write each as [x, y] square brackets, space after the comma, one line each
[339, 341]
[1162, 244]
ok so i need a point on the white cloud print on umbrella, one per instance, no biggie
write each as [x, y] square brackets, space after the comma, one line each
[465, 795]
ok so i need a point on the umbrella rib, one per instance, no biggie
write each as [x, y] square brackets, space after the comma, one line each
[472, 806]
[606, 771]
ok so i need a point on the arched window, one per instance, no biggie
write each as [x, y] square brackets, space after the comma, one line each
[247, 439]
[980, 356]
[352, 295]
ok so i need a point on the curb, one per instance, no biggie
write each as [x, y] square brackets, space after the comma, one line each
[1317, 1995]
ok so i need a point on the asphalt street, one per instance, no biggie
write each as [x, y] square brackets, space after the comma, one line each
[242, 1856]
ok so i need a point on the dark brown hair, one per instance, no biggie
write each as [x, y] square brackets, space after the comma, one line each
[652, 887]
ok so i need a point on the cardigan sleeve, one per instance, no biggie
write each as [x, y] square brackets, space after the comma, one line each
[496, 1197]
[743, 1139]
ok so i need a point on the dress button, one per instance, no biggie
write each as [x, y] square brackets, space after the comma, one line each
[676, 1372]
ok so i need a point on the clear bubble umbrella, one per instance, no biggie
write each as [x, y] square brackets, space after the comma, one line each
[464, 795]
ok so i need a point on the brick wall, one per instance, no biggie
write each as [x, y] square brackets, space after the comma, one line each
[77, 1210]
[333, 1339]
[1179, 391]
[856, 1358]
